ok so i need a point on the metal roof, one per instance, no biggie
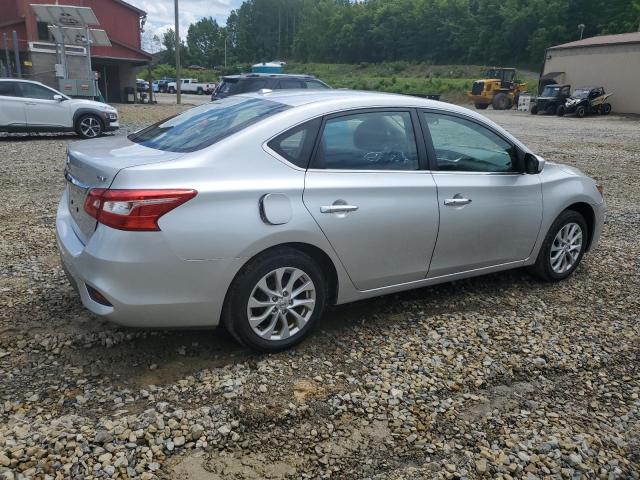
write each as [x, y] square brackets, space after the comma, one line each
[600, 40]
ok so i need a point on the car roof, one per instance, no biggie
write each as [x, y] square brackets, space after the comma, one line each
[268, 75]
[22, 80]
[350, 99]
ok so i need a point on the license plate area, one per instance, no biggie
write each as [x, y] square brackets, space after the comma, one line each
[85, 223]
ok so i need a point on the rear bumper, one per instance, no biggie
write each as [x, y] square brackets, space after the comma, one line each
[145, 282]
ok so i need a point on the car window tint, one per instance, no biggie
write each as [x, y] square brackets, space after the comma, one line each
[368, 141]
[30, 90]
[314, 84]
[9, 89]
[289, 83]
[252, 85]
[465, 146]
[207, 124]
[296, 144]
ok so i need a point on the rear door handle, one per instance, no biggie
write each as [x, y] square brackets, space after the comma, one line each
[338, 208]
[457, 202]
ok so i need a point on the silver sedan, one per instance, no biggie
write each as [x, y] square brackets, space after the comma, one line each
[260, 210]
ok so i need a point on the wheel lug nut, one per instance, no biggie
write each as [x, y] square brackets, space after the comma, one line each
[274, 299]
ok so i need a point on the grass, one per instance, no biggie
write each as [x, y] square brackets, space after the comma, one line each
[450, 81]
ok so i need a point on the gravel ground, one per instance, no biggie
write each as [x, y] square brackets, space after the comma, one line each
[493, 377]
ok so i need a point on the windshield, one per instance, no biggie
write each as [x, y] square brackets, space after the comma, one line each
[205, 125]
[550, 92]
[581, 93]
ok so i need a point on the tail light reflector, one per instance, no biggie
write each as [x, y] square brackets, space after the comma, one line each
[134, 210]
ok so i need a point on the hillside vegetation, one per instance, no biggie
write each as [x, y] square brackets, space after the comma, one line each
[434, 31]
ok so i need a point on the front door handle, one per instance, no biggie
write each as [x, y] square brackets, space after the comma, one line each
[338, 208]
[457, 201]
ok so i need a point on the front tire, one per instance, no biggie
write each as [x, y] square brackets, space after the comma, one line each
[606, 109]
[89, 126]
[501, 101]
[581, 111]
[563, 247]
[275, 300]
[534, 110]
[560, 111]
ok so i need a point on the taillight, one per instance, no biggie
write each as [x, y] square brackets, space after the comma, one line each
[137, 210]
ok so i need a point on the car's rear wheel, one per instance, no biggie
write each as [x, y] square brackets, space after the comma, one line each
[482, 106]
[275, 300]
[200, 91]
[89, 126]
[563, 247]
[581, 111]
[172, 90]
[534, 110]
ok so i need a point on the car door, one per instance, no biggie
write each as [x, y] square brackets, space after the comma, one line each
[41, 109]
[12, 109]
[490, 212]
[368, 193]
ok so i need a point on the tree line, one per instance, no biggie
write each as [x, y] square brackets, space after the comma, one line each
[438, 31]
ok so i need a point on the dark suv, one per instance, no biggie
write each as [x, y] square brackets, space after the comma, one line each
[253, 82]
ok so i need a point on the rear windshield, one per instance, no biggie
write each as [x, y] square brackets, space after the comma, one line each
[228, 86]
[205, 125]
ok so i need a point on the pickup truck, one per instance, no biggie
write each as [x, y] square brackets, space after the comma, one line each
[191, 85]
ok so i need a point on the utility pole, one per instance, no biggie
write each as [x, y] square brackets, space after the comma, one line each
[177, 39]
[225, 50]
[6, 54]
[16, 52]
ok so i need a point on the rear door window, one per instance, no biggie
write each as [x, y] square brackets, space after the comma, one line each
[289, 83]
[296, 144]
[253, 84]
[9, 89]
[315, 84]
[207, 124]
[382, 140]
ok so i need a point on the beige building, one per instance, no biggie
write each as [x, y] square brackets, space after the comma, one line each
[610, 61]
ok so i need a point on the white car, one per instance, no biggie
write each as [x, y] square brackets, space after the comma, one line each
[28, 106]
[191, 85]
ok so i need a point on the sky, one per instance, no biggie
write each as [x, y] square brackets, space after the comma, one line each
[160, 15]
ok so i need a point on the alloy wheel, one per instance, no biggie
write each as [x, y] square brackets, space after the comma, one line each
[281, 303]
[90, 127]
[566, 248]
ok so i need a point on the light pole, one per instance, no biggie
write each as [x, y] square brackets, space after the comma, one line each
[225, 51]
[177, 40]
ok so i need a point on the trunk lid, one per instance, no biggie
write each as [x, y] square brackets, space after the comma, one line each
[95, 164]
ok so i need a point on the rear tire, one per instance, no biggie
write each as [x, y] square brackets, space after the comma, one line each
[200, 91]
[581, 111]
[559, 257]
[255, 294]
[560, 111]
[534, 110]
[606, 109]
[500, 101]
[482, 106]
[172, 90]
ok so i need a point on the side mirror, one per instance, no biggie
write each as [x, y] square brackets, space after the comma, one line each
[533, 163]
[58, 98]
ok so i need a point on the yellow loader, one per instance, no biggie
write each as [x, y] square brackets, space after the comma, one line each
[500, 88]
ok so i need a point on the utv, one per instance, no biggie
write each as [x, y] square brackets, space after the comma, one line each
[587, 100]
[551, 100]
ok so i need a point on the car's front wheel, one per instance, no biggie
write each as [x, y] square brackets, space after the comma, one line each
[275, 300]
[89, 126]
[563, 247]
